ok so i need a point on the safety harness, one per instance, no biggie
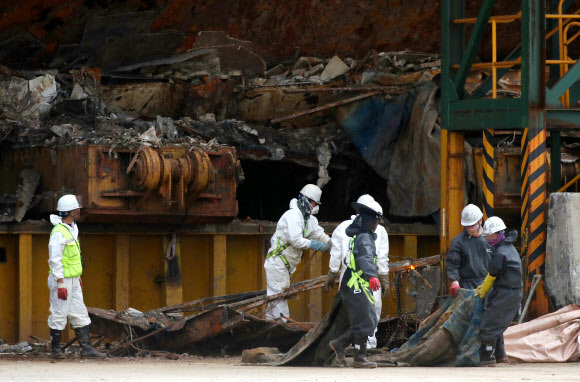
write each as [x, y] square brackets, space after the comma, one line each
[281, 247]
[357, 282]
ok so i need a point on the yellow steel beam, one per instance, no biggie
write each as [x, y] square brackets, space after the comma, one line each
[456, 182]
[452, 191]
[444, 239]
[315, 300]
[410, 246]
[510, 18]
[121, 271]
[509, 64]
[219, 265]
[24, 286]
[173, 289]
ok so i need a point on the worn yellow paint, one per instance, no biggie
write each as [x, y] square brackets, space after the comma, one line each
[122, 290]
[99, 272]
[315, 296]
[443, 211]
[242, 253]
[24, 286]
[172, 289]
[146, 261]
[8, 283]
[456, 183]
[40, 295]
[265, 242]
[410, 246]
[125, 269]
[196, 266]
[219, 265]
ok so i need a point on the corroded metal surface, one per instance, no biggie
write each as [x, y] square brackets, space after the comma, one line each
[176, 184]
[321, 28]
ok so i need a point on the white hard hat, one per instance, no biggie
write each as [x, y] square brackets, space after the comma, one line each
[372, 207]
[470, 215]
[493, 225]
[375, 206]
[312, 192]
[365, 199]
[67, 203]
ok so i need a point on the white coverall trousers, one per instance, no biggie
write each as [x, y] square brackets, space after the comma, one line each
[278, 279]
[73, 308]
[378, 295]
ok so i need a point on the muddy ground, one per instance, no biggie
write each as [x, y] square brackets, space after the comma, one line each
[231, 369]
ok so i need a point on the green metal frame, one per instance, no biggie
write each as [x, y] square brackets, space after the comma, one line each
[463, 112]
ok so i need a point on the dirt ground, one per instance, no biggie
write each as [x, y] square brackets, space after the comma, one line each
[218, 369]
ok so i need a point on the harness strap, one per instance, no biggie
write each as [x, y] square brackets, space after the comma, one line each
[278, 252]
[357, 282]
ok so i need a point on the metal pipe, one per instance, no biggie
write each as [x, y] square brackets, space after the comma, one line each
[510, 18]
[325, 107]
[536, 281]
[570, 183]
[508, 64]
[564, 97]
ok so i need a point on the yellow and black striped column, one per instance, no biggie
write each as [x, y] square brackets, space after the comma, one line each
[524, 192]
[536, 216]
[488, 172]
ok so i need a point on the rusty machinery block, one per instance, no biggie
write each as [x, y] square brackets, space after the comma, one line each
[507, 178]
[170, 184]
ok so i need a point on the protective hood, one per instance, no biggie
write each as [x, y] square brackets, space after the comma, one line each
[510, 237]
[294, 204]
[355, 228]
[55, 219]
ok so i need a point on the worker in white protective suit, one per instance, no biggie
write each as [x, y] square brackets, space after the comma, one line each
[339, 258]
[296, 231]
[64, 280]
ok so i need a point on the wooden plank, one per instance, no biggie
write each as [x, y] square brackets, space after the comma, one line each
[173, 290]
[121, 271]
[219, 265]
[24, 287]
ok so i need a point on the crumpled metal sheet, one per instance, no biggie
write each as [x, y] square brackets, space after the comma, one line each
[215, 331]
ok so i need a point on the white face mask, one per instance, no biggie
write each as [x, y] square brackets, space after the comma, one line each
[314, 211]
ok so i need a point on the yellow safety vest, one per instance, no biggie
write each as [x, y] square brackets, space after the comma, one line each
[356, 281]
[71, 255]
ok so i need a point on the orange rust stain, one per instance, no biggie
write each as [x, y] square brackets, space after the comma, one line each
[50, 47]
[36, 31]
[186, 44]
[175, 14]
[63, 13]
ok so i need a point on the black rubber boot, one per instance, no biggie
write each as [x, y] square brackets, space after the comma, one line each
[87, 349]
[487, 354]
[360, 358]
[55, 338]
[340, 344]
[500, 354]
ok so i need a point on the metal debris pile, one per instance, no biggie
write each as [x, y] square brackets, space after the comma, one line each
[208, 326]
[229, 324]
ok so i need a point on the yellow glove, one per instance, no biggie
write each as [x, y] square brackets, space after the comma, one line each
[482, 290]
